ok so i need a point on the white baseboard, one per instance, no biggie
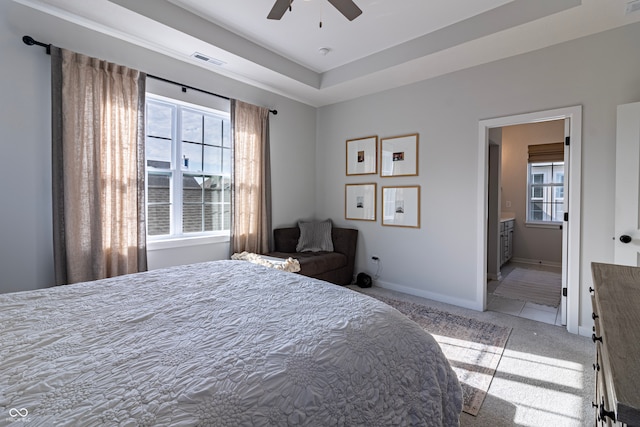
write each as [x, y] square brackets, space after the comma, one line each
[497, 277]
[473, 305]
[537, 262]
[585, 331]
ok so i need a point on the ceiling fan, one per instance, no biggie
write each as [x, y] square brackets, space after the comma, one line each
[347, 7]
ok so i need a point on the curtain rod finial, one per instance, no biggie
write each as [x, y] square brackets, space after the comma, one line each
[28, 40]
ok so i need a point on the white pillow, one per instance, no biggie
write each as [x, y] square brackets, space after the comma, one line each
[315, 236]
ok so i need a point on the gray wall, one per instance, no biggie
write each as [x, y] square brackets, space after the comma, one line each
[26, 259]
[308, 149]
[530, 244]
[598, 72]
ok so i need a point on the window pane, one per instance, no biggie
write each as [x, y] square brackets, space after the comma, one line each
[537, 178]
[191, 126]
[159, 120]
[158, 152]
[227, 216]
[191, 156]
[226, 189]
[536, 212]
[226, 161]
[191, 218]
[159, 188]
[226, 133]
[213, 130]
[192, 189]
[213, 217]
[212, 189]
[212, 159]
[159, 220]
[537, 192]
[558, 212]
[159, 204]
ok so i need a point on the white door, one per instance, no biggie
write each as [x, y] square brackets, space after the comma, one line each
[627, 204]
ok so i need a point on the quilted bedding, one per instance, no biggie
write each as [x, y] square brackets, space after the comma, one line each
[226, 343]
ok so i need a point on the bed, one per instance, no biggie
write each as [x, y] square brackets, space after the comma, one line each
[226, 343]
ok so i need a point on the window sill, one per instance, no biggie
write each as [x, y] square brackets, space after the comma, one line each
[179, 242]
[549, 225]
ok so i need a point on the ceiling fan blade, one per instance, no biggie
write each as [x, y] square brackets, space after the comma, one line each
[347, 7]
[279, 8]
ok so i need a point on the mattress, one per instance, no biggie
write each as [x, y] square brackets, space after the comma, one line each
[227, 343]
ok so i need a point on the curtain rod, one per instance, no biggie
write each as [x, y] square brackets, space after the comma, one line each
[28, 40]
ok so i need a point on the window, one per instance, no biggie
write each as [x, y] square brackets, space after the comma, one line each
[188, 154]
[546, 192]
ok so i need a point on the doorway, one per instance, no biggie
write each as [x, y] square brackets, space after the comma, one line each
[571, 224]
[525, 280]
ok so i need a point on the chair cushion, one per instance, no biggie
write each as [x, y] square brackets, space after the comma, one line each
[315, 236]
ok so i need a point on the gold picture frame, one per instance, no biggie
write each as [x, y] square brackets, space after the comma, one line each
[362, 156]
[401, 206]
[360, 201]
[399, 155]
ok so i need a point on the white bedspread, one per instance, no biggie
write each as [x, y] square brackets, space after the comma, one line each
[226, 343]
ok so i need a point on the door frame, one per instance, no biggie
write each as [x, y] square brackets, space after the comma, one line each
[572, 227]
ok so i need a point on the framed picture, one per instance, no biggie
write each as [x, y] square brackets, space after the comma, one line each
[399, 156]
[362, 156]
[401, 206]
[360, 201]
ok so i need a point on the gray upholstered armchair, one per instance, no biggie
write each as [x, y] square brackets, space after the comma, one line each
[335, 267]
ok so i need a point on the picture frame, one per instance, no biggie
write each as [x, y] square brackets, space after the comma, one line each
[360, 201]
[362, 156]
[401, 206]
[399, 156]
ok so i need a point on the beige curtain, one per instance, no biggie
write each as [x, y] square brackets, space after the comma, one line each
[98, 168]
[251, 196]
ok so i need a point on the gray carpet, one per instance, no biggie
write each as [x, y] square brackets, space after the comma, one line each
[474, 348]
[544, 378]
[540, 287]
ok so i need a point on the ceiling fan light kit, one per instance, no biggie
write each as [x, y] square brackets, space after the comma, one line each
[347, 7]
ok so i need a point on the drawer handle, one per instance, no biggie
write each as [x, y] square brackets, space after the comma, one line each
[596, 367]
[591, 290]
[594, 316]
[595, 338]
[604, 413]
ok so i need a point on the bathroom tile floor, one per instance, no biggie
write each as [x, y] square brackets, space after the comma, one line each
[526, 309]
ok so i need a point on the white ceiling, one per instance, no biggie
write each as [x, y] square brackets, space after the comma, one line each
[392, 43]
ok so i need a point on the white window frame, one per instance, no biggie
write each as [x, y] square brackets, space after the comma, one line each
[549, 191]
[176, 237]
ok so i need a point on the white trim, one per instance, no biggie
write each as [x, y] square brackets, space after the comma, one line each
[181, 242]
[553, 225]
[585, 331]
[573, 227]
[537, 262]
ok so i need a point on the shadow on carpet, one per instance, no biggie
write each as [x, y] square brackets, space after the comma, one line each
[474, 348]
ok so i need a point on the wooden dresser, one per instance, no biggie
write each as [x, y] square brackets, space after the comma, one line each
[616, 333]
